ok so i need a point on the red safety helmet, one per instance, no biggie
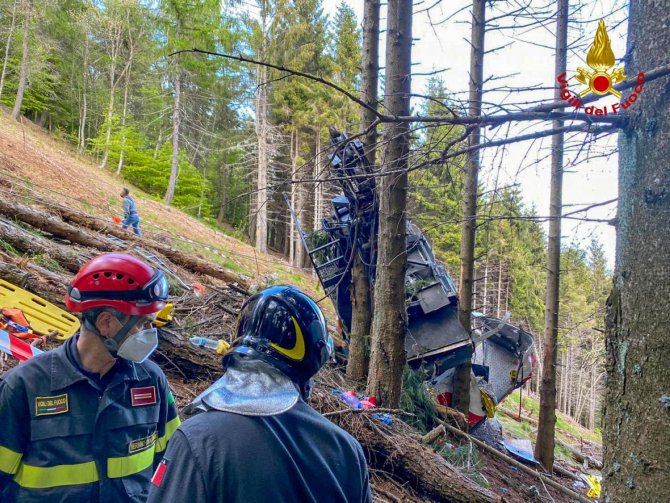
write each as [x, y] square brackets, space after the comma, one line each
[119, 281]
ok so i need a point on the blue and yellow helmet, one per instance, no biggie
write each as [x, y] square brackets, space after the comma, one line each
[285, 328]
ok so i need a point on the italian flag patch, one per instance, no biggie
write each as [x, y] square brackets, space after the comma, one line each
[159, 474]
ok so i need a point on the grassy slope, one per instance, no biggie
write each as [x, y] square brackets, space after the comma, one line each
[524, 429]
[43, 168]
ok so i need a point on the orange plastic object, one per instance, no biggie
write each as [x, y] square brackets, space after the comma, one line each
[43, 316]
[198, 289]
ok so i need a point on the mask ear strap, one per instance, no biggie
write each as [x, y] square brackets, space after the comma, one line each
[114, 343]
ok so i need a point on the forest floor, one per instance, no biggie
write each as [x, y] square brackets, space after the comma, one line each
[39, 171]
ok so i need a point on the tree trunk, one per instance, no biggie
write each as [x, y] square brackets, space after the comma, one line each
[54, 226]
[461, 387]
[23, 74]
[123, 117]
[592, 402]
[81, 143]
[224, 194]
[189, 261]
[7, 46]
[637, 400]
[67, 256]
[361, 315]
[389, 326]
[318, 186]
[544, 447]
[262, 169]
[176, 122]
[292, 228]
[110, 113]
[49, 285]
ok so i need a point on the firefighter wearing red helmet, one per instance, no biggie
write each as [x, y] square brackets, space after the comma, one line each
[90, 420]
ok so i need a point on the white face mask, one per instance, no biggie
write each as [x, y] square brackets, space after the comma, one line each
[138, 347]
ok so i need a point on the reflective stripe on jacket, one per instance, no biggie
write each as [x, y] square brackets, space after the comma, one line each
[64, 439]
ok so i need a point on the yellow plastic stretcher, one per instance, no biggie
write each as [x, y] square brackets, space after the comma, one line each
[43, 316]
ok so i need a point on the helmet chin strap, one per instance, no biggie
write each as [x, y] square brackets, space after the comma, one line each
[112, 344]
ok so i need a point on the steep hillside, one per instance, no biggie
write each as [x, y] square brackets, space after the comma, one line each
[42, 169]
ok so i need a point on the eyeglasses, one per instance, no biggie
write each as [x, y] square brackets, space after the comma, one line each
[157, 289]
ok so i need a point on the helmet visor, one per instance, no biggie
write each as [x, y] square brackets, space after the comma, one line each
[156, 289]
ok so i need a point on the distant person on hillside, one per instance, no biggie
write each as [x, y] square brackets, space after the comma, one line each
[130, 215]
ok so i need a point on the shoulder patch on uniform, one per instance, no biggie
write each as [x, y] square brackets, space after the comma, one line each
[143, 396]
[160, 473]
[49, 405]
[142, 443]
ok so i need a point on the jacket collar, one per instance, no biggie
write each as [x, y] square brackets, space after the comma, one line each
[65, 371]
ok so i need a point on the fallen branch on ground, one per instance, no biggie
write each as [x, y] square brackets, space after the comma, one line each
[516, 463]
[368, 411]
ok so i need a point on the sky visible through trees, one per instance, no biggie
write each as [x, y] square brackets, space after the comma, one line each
[526, 59]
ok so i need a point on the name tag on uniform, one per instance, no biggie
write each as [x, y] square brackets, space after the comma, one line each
[142, 443]
[49, 405]
[143, 396]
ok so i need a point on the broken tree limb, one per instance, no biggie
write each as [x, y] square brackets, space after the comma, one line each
[566, 473]
[190, 262]
[427, 471]
[516, 463]
[393, 450]
[54, 226]
[581, 457]
[70, 258]
[433, 435]
[375, 410]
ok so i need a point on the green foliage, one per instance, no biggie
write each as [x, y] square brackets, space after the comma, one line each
[417, 399]
[467, 459]
[436, 191]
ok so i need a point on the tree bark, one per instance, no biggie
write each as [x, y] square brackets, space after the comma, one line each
[7, 46]
[110, 115]
[66, 255]
[187, 260]
[462, 375]
[125, 110]
[411, 462]
[49, 285]
[389, 326]
[176, 122]
[544, 447]
[361, 315]
[81, 144]
[54, 226]
[23, 74]
[262, 169]
[637, 400]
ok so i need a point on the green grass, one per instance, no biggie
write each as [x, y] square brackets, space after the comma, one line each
[514, 428]
[562, 422]
[8, 248]
[43, 260]
[229, 264]
[29, 228]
